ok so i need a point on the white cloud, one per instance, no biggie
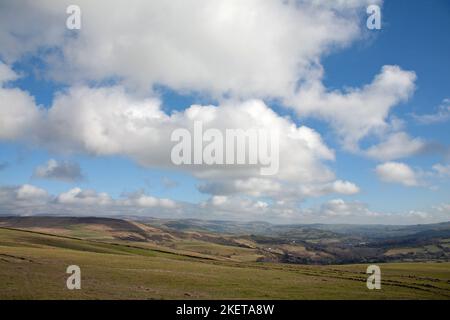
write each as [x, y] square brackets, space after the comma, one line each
[30, 200]
[397, 145]
[396, 172]
[7, 74]
[29, 193]
[146, 201]
[356, 112]
[226, 47]
[108, 121]
[418, 214]
[344, 187]
[442, 114]
[444, 208]
[25, 199]
[221, 48]
[278, 189]
[64, 171]
[243, 48]
[218, 200]
[253, 186]
[18, 112]
[442, 170]
[340, 211]
[341, 208]
[238, 208]
[78, 196]
[133, 203]
[254, 48]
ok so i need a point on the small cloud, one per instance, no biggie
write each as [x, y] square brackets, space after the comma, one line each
[396, 146]
[418, 214]
[397, 172]
[442, 114]
[341, 208]
[146, 201]
[77, 196]
[29, 192]
[63, 171]
[442, 170]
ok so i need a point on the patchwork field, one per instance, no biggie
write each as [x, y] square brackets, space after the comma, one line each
[33, 265]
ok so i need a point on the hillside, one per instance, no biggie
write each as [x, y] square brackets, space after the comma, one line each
[301, 244]
[32, 266]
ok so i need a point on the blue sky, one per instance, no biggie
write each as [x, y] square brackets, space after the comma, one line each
[414, 37]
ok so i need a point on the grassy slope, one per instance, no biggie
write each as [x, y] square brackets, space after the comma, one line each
[33, 265]
[135, 234]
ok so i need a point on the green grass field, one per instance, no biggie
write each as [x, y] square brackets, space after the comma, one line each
[33, 265]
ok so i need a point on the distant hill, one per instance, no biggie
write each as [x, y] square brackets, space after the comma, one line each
[301, 230]
[87, 227]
